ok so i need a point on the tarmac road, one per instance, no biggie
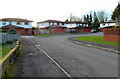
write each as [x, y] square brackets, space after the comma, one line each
[77, 60]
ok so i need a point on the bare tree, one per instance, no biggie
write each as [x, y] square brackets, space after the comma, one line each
[102, 15]
[74, 18]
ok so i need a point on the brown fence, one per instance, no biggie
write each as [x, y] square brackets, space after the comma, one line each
[112, 34]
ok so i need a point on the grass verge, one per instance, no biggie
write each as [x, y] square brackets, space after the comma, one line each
[10, 70]
[5, 49]
[97, 39]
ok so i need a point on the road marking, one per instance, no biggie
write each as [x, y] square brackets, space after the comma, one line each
[37, 45]
[58, 65]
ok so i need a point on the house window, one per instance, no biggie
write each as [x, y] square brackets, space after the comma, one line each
[10, 23]
[4, 23]
[49, 23]
[62, 23]
[26, 23]
[103, 24]
[57, 23]
[53, 23]
[18, 23]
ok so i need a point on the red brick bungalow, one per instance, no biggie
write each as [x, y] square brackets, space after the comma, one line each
[21, 26]
[82, 29]
[107, 24]
[78, 26]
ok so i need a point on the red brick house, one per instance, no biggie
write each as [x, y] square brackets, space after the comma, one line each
[18, 29]
[21, 26]
[55, 26]
[55, 29]
[21, 30]
[52, 26]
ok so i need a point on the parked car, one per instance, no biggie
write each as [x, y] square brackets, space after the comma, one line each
[94, 30]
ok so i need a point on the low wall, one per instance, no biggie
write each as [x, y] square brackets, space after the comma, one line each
[8, 59]
[112, 34]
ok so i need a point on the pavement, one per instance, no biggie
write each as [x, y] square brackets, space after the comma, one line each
[106, 47]
[33, 63]
[76, 60]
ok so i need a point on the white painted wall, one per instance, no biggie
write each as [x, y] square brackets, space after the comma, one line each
[71, 25]
[15, 24]
[46, 24]
[107, 24]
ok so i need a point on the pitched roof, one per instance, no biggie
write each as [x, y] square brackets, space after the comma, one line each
[76, 22]
[81, 26]
[55, 21]
[11, 26]
[15, 19]
[56, 26]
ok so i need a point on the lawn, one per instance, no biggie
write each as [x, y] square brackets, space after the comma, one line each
[97, 39]
[47, 34]
[5, 49]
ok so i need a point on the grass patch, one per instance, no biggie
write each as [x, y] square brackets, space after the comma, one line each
[5, 49]
[47, 34]
[97, 39]
[10, 72]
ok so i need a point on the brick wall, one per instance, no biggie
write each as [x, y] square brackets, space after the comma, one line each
[56, 30]
[112, 34]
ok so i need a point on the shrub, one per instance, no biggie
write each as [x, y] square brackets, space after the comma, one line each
[9, 42]
[14, 40]
[117, 26]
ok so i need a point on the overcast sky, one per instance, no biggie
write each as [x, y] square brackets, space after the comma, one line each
[38, 10]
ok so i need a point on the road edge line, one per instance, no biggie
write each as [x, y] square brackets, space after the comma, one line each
[58, 65]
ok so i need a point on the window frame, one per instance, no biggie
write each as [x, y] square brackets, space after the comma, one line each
[4, 23]
[18, 23]
[26, 23]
